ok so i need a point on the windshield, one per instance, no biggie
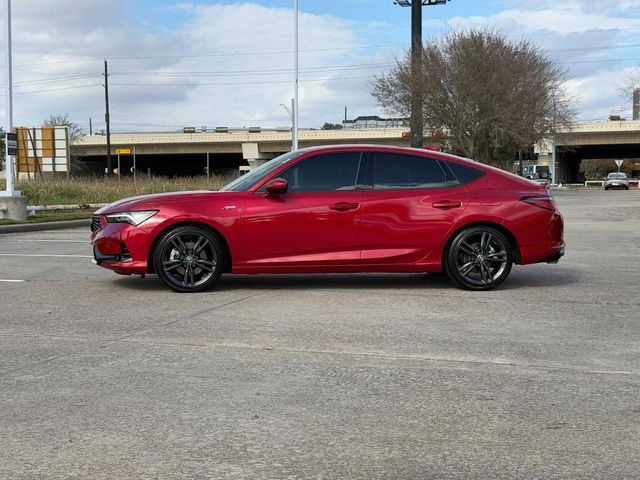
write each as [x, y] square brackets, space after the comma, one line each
[248, 180]
[617, 175]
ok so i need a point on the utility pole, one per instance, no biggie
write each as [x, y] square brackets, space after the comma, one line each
[416, 122]
[15, 205]
[295, 109]
[553, 142]
[90, 127]
[106, 116]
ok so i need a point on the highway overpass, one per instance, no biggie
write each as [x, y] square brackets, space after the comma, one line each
[590, 141]
[185, 153]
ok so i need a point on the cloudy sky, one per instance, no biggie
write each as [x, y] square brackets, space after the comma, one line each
[229, 63]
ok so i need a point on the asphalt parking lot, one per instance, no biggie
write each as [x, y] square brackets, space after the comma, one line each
[325, 376]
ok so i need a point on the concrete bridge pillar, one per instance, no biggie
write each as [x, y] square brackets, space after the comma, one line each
[252, 154]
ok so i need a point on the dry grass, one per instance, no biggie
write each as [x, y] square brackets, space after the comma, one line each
[83, 190]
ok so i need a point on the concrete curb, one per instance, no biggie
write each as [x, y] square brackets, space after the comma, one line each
[35, 227]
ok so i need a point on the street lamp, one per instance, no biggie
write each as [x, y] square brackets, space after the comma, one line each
[294, 133]
[10, 188]
[292, 116]
[416, 122]
[15, 205]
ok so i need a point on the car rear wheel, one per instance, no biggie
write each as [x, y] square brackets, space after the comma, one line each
[189, 259]
[479, 258]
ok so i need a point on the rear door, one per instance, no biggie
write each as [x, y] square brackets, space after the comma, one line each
[314, 224]
[411, 206]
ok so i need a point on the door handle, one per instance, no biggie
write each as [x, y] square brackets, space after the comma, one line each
[344, 206]
[446, 204]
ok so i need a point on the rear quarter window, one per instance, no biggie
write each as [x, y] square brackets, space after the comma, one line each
[464, 173]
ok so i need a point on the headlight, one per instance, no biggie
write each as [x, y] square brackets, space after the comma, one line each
[133, 218]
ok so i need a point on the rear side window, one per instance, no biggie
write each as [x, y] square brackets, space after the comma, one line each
[324, 173]
[392, 171]
[464, 173]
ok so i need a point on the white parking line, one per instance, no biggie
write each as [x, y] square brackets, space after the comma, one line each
[42, 255]
[10, 281]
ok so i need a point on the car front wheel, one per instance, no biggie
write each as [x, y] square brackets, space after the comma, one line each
[479, 258]
[189, 259]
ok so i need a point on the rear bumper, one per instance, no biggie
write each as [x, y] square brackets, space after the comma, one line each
[547, 245]
[554, 257]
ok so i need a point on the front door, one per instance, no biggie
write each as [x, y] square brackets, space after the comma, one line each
[314, 224]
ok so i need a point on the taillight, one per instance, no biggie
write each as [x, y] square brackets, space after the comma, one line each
[541, 201]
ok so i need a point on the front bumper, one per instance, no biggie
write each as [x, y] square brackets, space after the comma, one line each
[120, 247]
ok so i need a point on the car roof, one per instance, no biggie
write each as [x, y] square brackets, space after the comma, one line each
[387, 148]
[424, 153]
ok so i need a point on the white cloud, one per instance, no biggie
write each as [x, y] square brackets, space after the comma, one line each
[202, 92]
[216, 39]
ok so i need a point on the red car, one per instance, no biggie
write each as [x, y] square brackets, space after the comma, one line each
[350, 208]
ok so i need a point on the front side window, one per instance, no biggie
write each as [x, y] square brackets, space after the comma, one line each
[324, 173]
[393, 171]
[245, 182]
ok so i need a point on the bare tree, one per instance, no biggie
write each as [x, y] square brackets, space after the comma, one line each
[493, 97]
[59, 120]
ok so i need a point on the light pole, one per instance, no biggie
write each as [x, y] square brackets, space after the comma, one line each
[15, 205]
[290, 112]
[10, 187]
[294, 133]
[416, 121]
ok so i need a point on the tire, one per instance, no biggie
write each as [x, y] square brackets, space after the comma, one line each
[189, 259]
[479, 258]
[606, 188]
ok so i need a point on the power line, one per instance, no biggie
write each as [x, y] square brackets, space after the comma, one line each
[57, 79]
[57, 89]
[354, 47]
[185, 84]
[160, 73]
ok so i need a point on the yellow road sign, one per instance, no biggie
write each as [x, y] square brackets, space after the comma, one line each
[123, 151]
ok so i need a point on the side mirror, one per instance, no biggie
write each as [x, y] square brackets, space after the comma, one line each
[277, 186]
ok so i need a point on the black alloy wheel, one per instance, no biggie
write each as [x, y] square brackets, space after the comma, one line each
[479, 258]
[189, 259]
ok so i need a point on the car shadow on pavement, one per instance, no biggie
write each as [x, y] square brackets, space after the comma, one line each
[520, 278]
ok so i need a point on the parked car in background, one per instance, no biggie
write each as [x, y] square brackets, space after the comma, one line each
[338, 209]
[533, 172]
[616, 180]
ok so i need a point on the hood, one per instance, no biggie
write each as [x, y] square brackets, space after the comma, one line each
[153, 201]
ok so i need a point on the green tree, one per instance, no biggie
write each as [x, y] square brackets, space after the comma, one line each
[490, 96]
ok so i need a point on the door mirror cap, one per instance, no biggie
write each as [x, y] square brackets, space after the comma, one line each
[277, 186]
